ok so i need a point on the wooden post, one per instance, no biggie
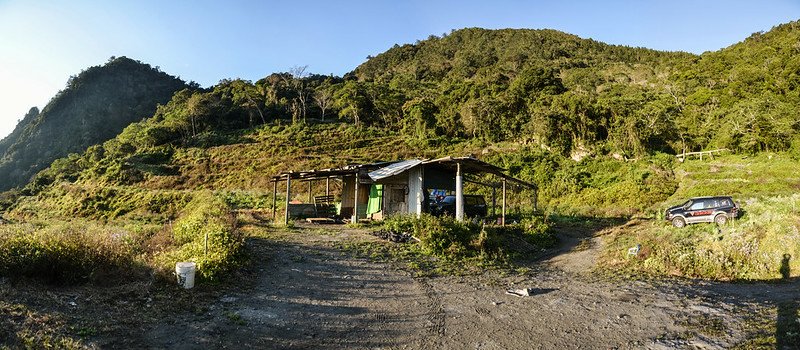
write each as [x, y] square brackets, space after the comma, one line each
[355, 202]
[327, 186]
[503, 220]
[288, 195]
[494, 199]
[310, 198]
[459, 194]
[274, 199]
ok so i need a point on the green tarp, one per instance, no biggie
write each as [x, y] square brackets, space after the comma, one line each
[375, 199]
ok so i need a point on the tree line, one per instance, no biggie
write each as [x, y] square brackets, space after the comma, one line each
[540, 87]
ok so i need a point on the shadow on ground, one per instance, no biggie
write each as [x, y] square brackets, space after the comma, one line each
[304, 296]
[574, 232]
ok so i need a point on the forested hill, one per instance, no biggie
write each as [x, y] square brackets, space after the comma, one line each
[479, 54]
[744, 97]
[541, 87]
[95, 106]
[541, 90]
[570, 94]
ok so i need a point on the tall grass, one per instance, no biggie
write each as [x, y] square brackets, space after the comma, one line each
[763, 245]
[447, 238]
[739, 176]
[82, 250]
[205, 234]
[69, 252]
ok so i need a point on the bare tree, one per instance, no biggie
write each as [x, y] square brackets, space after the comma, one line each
[252, 103]
[246, 94]
[324, 99]
[297, 75]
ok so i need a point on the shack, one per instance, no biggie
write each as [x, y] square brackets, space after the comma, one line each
[377, 190]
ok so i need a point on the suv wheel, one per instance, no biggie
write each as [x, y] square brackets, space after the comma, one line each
[678, 222]
[721, 219]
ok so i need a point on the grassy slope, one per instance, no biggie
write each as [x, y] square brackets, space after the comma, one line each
[96, 105]
[153, 223]
[761, 245]
[240, 171]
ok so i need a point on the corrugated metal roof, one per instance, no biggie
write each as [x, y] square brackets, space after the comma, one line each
[381, 170]
[394, 169]
[332, 172]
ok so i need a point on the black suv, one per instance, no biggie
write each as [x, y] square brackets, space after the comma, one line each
[703, 209]
[474, 206]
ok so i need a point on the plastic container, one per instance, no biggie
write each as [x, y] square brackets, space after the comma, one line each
[185, 273]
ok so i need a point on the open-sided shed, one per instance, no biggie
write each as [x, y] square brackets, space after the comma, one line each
[380, 189]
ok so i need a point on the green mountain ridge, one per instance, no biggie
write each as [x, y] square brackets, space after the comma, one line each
[95, 106]
[466, 53]
[595, 126]
[532, 97]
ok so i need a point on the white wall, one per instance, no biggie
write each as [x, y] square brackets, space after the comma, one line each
[415, 190]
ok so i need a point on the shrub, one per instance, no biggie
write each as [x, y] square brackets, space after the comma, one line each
[445, 237]
[517, 241]
[206, 234]
[247, 199]
[537, 231]
[67, 252]
[400, 223]
[101, 202]
[760, 246]
[79, 251]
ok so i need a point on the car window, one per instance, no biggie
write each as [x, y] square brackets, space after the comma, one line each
[697, 205]
[449, 199]
[710, 203]
[725, 202]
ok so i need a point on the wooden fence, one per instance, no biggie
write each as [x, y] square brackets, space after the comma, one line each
[700, 154]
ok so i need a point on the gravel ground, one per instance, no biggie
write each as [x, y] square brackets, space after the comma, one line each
[302, 292]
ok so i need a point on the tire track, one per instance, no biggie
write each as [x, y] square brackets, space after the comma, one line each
[436, 315]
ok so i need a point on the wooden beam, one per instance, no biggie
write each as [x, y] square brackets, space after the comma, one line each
[288, 195]
[494, 200]
[494, 185]
[700, 154]
[459, 193]
[503, 220]
[274, 200]
[310, 198]
[355, 202]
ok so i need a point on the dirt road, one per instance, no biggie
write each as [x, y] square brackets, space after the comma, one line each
[304, 292]
[309, 294]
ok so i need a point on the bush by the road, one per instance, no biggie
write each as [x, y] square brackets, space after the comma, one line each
[81, 250]
[447, 238]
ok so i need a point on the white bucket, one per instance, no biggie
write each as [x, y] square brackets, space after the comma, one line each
[185, 273]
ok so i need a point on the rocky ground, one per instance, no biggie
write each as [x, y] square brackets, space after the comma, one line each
[303, 290]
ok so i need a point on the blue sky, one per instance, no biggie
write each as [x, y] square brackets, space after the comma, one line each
[43, 42]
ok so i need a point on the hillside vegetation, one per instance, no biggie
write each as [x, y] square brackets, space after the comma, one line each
[596, 126]
[761, 245]
[94, 106]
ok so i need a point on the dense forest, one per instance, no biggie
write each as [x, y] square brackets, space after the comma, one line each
[543, 90]
[539, 87]
[95, 106]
